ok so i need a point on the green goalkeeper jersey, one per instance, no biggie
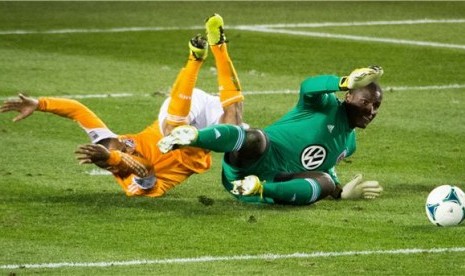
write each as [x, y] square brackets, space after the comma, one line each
[314, 136]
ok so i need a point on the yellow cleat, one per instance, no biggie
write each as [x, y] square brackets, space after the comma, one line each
[198, 46]
[215, 32]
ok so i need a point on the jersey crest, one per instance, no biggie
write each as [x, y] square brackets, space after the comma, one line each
[341, 156]
[93, 135]
[129, 143]
[313, 157]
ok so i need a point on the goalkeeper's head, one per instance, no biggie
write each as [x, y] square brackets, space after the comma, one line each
[362, 104]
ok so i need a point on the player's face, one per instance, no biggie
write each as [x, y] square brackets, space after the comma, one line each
[362, 106]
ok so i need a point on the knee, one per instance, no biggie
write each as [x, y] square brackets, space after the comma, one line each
[254, 146]
[232, 114]
[255, 141]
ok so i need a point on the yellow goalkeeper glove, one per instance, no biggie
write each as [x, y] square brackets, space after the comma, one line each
[361, 77]
[357, 188]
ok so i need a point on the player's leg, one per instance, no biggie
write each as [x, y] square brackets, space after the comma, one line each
[181, 92]
[244, 146]
[228, 82]
[293, 189]
[319, 181]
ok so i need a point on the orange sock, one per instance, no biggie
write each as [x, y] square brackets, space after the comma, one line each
[181, 92]
[228, 82]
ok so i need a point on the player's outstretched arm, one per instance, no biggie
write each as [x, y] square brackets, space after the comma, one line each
[24, 105]
[67, 108]
[357, 188]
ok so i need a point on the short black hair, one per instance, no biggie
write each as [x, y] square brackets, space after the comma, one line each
[105, 142]
[372, 87]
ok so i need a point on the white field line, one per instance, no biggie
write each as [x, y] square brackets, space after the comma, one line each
[354, 24]
[98, 172]
[204, 259]
[250, 93]
[110, 30]
[357, 38]
[90, 96]
[272, 28]
[239, 27]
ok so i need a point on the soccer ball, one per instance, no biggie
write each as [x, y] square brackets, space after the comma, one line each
[445, 205]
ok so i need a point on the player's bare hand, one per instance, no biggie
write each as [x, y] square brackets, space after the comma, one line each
[92, 154]
[24, 105]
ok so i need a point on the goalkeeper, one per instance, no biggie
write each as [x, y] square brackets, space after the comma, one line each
[293, 160]
[134, 159]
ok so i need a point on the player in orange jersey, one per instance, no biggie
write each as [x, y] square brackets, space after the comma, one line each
[134, 159]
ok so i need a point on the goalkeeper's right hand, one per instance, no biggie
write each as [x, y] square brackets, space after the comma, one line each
[357, 189]
[361, 77]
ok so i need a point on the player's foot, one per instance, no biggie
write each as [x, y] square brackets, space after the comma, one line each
[215, 32]
[180, 136]
[198, 46]
[250, 185]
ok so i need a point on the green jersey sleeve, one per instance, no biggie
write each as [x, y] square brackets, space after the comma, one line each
[314, 90]
[333, 174]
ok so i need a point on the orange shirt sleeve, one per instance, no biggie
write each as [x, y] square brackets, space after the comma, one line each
[72, 109]
[124, 164]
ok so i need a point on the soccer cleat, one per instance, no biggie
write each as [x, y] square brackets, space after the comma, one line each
[198, 46]
[250, 185]
[180, 136]
[215, 32]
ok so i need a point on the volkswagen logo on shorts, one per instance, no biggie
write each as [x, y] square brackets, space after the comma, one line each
[313, 156]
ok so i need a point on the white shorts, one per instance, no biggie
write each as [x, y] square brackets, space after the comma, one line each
[205, 110]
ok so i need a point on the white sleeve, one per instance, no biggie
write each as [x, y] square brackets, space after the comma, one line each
[98, 134]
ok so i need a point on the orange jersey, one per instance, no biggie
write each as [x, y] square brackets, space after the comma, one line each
[170, 169]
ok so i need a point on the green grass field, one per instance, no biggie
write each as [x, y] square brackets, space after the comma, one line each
[57, 218]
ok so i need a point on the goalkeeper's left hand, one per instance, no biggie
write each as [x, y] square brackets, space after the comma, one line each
[357, 188]
[361, 77]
